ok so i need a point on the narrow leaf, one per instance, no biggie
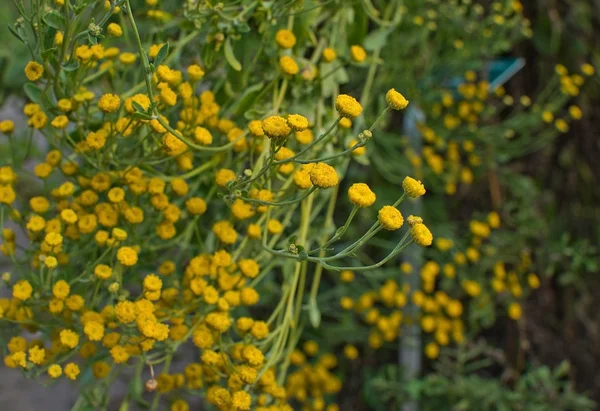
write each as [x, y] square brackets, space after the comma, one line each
[231, 59]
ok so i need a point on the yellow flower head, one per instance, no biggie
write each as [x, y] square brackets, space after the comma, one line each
[195, 72]
[396, 100]
[34, 71]
[358, 54]
[72, 371]
[61, 289]
[288, 65]
[285, 39]
[323, 175]
[588, 69]
[22, 290]
[347, 106]
[114, 30]
[127, 256]
[390, 218]
[55, 371]
[297, 122]
[255, 128]
[329, 55]
[276, 127]
[7, 126]
[69, 338]
[421, 234]
[361, 195]
[413, 188]
[514, 311]
[109, 103]
[241, 400]
[224, 176]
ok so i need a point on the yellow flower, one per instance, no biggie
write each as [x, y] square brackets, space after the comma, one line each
[224, 176]
[58, 38]
[38, 120]
[358, 54]
[37, 354]
[493, 219]
[575, 113]
[19, 358]
[260, 330]
[548, 117]
[323, 175]
[22, 290]
[61, 289]
[241, 401]
[432, 350]
[94, 330]
[276, 127]
[413, 188]
[7, 126]
[255, 128]
[297, 122]
[561, 125]
[128, 58]
[196, 205]
[285, 39]
[588, 69]
[195, 72]
[361, 195]
[34, 71]
[140, 99]
[533, 281]
[55, 371]
[329, 55]
[304, 137]
[347, 106]
[71, 370]
[421, 234]
[347, 276]
[152, 283]
[103, 271]
[114, 30]
[109, 103]
[50, 262]
[274, 226]
[288, 65]
[396, 100]
[514, 311]
[127, 256]
[351, 352]
[60, 122]
[119, 354]
[390, 218]
[203, 136]
[69, 338]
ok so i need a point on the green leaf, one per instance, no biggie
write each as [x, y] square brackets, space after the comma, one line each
[33, 92]
[55, 20]
[247, 100]
[14, 33]
[231, 59]
[70, 66]
[162, 54]
[142, 116]
[138, 107]
[376, 39]
[314, 314]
